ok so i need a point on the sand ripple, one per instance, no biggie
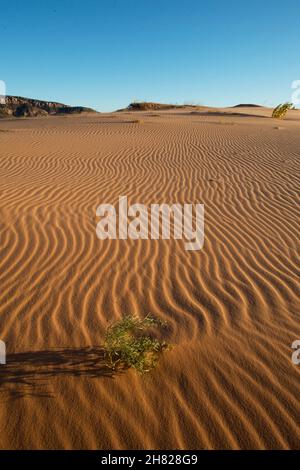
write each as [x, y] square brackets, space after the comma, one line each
[233, 307]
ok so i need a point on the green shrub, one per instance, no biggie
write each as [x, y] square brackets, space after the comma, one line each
[281, 110]
[126, 345]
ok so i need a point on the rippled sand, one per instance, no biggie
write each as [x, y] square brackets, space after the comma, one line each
[233, 308]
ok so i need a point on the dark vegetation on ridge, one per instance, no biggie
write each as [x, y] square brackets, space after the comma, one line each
[149, 106]
[247, 105]
[26, 107]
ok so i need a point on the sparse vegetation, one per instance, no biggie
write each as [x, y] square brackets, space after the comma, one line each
[137, 121]
[281, 110]
[126, 344]
[149, 106]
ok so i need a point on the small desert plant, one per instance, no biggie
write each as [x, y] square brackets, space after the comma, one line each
[281, 110]
[126, 345]
[137, 121]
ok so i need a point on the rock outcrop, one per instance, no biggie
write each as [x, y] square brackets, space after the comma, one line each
[26, 107]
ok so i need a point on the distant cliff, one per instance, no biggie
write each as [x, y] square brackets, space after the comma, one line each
[27, 107]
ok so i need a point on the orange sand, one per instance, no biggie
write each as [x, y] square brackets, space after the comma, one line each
[233, 307]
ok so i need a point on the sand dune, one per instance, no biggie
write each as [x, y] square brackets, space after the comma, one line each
[233, 308]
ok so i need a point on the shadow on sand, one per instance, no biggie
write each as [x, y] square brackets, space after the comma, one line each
[26, 374]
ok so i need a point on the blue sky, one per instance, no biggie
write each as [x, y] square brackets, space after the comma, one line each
[107, 53]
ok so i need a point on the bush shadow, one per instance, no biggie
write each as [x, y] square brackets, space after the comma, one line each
[26, 373]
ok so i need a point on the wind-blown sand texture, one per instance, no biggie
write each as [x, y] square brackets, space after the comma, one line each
[233, 308]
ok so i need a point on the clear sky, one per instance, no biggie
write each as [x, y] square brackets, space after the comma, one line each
[107, 53]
